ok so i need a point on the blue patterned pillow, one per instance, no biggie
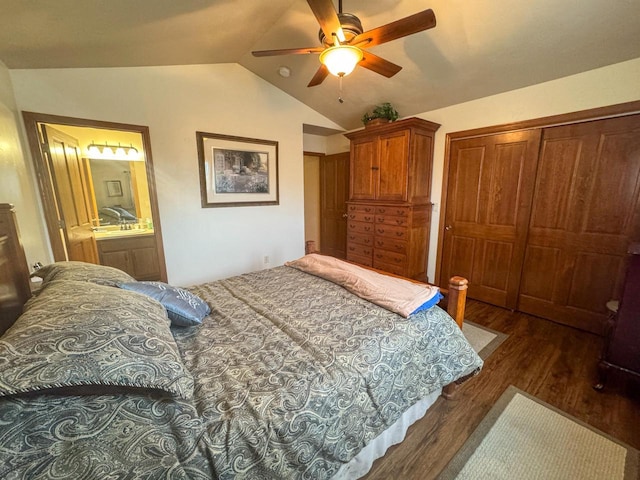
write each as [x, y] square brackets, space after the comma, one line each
[184, 308]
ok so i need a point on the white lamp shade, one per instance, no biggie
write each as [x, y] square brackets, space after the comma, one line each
[341, 60]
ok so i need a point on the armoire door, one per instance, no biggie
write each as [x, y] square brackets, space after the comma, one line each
[491, 182]
[392, 167]
[334, 192]
[364, 177]
[586, 212]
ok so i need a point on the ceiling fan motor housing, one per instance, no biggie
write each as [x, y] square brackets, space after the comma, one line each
[351, 27]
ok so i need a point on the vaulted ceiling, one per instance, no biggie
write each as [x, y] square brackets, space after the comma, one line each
[478, 47]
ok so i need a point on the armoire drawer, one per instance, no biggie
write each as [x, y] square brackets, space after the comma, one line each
[360, 250]
[391, 268]
[362, 216]
[362, 260]
[390, 244]
[362, 208]
[361, 239]
[392, 258]
[392, 220]
[359, 227]
[396, 211]
[399, 233]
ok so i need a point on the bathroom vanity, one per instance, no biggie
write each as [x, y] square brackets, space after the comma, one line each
[134, 251]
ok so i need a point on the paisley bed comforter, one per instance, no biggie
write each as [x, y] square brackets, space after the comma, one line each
[288, 377]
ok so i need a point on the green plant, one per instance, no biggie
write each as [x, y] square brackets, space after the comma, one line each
[384, 110]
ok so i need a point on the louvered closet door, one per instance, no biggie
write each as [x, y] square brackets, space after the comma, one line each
[586, 212]
[491, 182]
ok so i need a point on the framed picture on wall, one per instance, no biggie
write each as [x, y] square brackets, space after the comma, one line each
[237, 171]
[114, 188]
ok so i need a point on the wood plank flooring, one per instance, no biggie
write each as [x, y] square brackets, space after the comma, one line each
[553, 362]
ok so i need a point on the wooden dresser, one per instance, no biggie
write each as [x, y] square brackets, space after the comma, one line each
[389, 207]
[622, 342]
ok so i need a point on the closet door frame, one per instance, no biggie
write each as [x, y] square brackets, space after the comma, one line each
[629, 108]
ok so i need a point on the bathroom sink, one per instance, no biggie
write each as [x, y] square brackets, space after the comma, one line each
[100, 233]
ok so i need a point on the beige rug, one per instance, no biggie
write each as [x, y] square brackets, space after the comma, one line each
[524, 438]
[483, 340]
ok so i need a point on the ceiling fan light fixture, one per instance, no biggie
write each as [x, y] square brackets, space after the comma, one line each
[341, 59]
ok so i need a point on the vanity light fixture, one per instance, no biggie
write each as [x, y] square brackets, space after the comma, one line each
[104, 151]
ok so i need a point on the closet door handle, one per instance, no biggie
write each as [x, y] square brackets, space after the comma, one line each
[448, 227]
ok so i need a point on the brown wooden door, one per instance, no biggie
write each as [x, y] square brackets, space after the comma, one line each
[392, 165]
[334, 191]
[491, 182]
[585, 214]
[74, 205]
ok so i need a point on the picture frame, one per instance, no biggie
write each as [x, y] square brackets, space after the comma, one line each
[114, 188]
[237, 171]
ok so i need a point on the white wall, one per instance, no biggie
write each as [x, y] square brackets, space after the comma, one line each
[16, 176]
[314, 143]
[312, 199]
[201, 244]
[610, 85]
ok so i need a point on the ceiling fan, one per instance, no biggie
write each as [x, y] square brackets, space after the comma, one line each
[344, 41]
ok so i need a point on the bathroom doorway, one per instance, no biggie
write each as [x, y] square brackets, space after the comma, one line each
[97, 187]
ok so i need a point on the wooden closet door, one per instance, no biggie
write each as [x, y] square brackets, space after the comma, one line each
[586, 212]
[491, 182]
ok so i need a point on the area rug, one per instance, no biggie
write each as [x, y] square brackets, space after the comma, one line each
[483, 340]
[522, 437]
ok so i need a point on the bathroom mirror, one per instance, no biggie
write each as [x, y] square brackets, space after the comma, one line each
[121, 192]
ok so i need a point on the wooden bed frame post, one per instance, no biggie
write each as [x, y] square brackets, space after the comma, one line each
[457, 298]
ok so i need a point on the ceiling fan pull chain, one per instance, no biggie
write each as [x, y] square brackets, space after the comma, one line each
[340, 90]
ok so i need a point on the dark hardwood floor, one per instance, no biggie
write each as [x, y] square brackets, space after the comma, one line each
[555, 363]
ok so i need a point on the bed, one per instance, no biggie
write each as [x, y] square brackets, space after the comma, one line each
[289, 376]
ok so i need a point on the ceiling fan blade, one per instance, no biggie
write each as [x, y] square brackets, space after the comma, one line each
[379, 65]
[287, 51]
[400, 28]
[319, 77]
[327, 17]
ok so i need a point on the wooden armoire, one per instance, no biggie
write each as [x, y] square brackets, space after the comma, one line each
[539, 219]
[389, 207]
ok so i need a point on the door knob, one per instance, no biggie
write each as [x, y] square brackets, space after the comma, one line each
[448, 227]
